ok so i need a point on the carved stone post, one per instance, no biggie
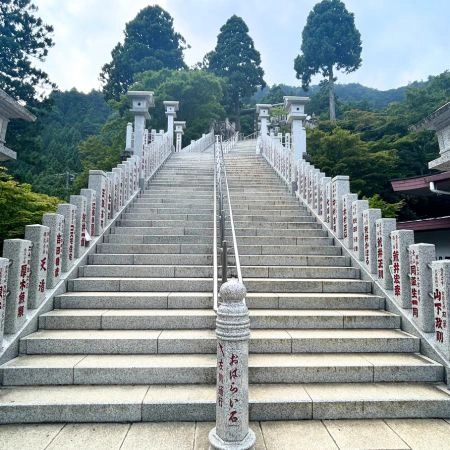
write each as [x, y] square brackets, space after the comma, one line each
[347, 229]
[55, 222]
[370, 216]
[19, 252]
[340, 185]
[98, 182]
[4, 264]
[384, 228]
[441, 296]
[80, 202]
[358, 207]
[39, 235]
[400, 242]
[233, 333]
[420, 258]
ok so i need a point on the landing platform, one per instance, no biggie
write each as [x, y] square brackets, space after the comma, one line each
[408, 434]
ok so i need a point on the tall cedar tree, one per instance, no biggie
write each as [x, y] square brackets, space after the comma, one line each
[23, 38]
[150, 44]
[329, 40]
[236, 59]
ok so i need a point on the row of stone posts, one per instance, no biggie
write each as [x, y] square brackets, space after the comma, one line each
[418, 282]
[32, 266]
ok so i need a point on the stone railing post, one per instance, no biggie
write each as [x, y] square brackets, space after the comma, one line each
[420, 258]
[91, 206]
[400, 242]
[441, 295]
[322, 200]
[110, 197]
[384, 228]
[340, 185]
[328, 217]
[18, 251]
[119, 186]
[39, 236]
[358, 207]
[98, 182]
[80, 223]
[69, 212]
[4, 264]
[347, 229]
[55, 222]
[233, 333]
[370, 216]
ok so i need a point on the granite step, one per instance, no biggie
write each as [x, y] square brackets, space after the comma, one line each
[161, 231]
[198, 300]
[162, 259]
[29, 370]
[206, 238]
[159, 403]
[283, 250]
[165, 223]
[136, 342]
[155, 248]
[175, 319]
[146, 270]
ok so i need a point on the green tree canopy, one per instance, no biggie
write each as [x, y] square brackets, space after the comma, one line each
[151, 43]
[23, 38]
[330, 41]
[237, 61]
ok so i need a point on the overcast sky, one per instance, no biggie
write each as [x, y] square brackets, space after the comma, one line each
[402, 40]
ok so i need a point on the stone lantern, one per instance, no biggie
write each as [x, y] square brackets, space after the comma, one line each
[141, 101]
[179, 127]
[263, 111]
[171, 113]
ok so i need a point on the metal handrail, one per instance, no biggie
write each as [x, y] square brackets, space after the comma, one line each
[215, 281]
[221, 165]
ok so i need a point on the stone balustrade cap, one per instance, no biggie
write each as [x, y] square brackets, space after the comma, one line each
[232, 291]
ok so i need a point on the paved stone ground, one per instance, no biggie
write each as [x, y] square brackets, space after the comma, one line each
[427, 434]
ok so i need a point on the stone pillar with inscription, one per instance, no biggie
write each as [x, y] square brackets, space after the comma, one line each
[39, 236]
[328, 217]
[347, 229]
[69, 212]
[80, 223]
[370, 216]
[98, 182]
[55, 222]
[91, 206]
[440, 271]
[322, 200]
[18, 251]
[384, 228]
[233, 333]
[400, 242]
[180, 125]
[420, 258]
[119, 186]
[4, 264]
[358, 207]
[340, 185]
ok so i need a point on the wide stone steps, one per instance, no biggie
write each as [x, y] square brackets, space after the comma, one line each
[153, 319]
[30, 404]
[198, 300]
[128, 341]
[28, 370]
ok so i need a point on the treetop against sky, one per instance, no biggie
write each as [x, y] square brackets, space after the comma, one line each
[402, 40]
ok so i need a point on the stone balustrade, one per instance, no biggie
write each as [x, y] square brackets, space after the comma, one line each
[200, 145]
[32, 268]
[406, 271]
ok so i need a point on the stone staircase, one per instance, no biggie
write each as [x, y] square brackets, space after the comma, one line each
[134, 340]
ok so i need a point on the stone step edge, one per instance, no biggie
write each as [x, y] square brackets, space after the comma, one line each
[197, 402]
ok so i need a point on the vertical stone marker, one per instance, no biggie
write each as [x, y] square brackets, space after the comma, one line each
[4, 264]
[80, 203]
[55, 222]
[119, 186]
[400, 242]
[340, 185]
[347, 229]
[420, 258]
[328, 210]
[384, 228]
[441, 296]
[110, 196]
[69, 212]
[19, 252]
[91, 207]
[370, 216]
[233, 333]
[98, 182]
[358, 207]
[322, 200]
[39, 235]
